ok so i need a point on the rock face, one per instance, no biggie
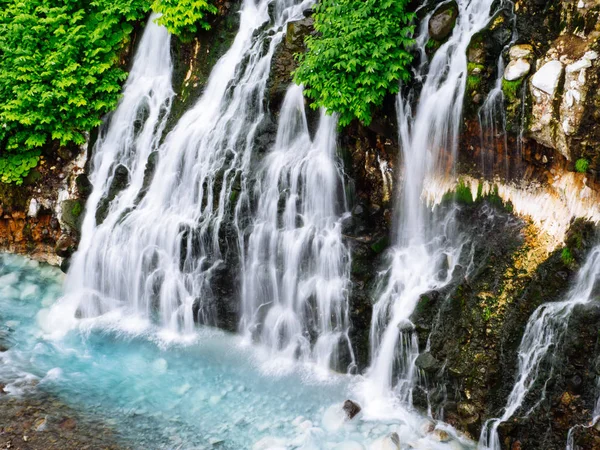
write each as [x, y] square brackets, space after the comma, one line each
[442, 21]
[48, 207]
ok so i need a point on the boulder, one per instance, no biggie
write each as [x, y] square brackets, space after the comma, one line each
[516, 69]
[442, 21]
[428, 363]
[521, 51]
[547, 78]
[351, 408]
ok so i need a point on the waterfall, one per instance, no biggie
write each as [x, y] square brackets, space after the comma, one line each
[544, 331]
[595, 420]
[154, 256]
[426, 249]
[296, 272]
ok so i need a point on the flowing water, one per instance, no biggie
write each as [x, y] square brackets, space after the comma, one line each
[296, 273]
[426, 249]
[542, 336]
[203, 393]
[158, 249]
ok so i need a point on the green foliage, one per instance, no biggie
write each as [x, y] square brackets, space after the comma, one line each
[582, 165]
[357, 56]
[511, 89]
[59, 71]
[182, 17]
[76, 210]
[15, 167]
[567, 256]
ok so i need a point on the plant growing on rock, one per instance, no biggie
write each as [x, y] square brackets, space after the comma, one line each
[358, 55]
[183, 17]
[582, 165]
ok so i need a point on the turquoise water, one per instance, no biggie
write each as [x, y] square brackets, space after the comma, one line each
[213, 392]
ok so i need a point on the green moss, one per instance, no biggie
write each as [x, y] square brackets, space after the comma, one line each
[567, 256]
[472, 66]
[473, 82]
[582, 165]
[76, 210]
[380, 245]
[433, 44]
[511, 89]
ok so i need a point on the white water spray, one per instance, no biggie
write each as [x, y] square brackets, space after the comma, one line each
[297, 267]
[427, 250]
[544, 332]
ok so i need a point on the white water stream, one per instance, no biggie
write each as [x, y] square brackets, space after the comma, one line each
[426, 247]
[296, 273]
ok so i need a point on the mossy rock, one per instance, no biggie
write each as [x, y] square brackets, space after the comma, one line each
[72, 214]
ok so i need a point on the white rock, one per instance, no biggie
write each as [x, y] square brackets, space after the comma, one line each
[29, 292]
[546, 79]
[581, 4]
[591, 55]
[270, 443]
[567, 128]
[516, 69]
[34, 208]
[389, 442]
[520, 51]
[583, 63]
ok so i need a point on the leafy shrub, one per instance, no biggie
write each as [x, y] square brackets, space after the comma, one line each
[357, 56]
[582, 165]
[182, 17]
[59, 72]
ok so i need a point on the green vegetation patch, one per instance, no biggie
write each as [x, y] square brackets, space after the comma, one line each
[511, 89]
[358, 55]
[183, 17]
[582, 165]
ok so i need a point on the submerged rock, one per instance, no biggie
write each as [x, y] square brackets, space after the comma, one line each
[351, 408]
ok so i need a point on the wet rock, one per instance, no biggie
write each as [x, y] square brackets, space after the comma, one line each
[442, 22]
[64, 246]
[516, 69]
[428, 363]
[440, 435]
[68, 424]
[351, 408]
[389, 442]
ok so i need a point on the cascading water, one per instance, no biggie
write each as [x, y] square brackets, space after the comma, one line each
[492, 115]
[595, 420]
[426, 250]
[154, 255]
[132, 134]
[544, 331]
[297, 268]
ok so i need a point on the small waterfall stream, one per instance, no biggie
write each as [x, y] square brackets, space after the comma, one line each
[297, 270]
[543, 334]
[426, 248]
